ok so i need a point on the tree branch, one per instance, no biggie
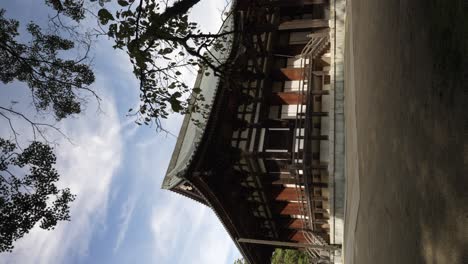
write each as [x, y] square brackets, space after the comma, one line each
[36, 126]
[15, 134]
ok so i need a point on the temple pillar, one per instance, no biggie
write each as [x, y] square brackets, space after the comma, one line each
[319, 137]
[303, 24]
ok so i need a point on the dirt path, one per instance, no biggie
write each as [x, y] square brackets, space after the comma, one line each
[410, 88]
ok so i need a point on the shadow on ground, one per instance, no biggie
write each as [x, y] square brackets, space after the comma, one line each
[411, 92]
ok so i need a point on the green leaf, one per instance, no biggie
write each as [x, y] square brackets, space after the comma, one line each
[104, 16]
[165, 51]
[175, 105]
[122, 3]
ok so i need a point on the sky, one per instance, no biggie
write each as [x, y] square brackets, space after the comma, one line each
[116, 169]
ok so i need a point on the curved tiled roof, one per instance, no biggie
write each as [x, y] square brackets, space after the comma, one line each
[191, 133]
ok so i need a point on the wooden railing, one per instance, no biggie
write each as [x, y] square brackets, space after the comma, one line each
[301, 161]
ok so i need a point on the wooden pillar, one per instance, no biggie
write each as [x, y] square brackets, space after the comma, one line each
[320, 184]
[273, 155]
[319, 137]
[315, 137]
[320, 92]
[315, 165]
[315, 114]
[273, 123]
[303, 24]
[319, 198]
[321, 73]
[319, 210]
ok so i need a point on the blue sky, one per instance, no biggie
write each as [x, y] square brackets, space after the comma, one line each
[116, 168]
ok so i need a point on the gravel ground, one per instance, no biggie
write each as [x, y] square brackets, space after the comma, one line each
[407, 132]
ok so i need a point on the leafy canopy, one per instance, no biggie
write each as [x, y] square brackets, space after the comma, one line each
[54, 82]
[289, 256]
[29, 195]
[28, 191]
[161, 43]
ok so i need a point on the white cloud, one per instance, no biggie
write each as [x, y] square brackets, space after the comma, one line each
[185, 231]
[173, 218]
[87, 167]
[180, 227]
[126, 214]
[188, 231]
[207, 14]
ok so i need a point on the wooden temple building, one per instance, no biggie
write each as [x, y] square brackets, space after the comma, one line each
[259, 158]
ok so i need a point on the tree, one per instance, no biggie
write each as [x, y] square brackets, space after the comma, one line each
[240, 261]
[54, 82]
[160, 42]
[28, 194]
[289, 256]
[28, 191]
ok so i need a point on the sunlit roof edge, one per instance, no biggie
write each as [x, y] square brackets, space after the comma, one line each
[175, 173]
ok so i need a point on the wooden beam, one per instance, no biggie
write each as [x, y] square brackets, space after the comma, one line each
[289, 50]
[319, 137]
[320, 92]
[319, 210]
[315, 165]
[319, 198]
[315, 114]
[287, 244]
[303, 24]
[293, 3]
[321, 73]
